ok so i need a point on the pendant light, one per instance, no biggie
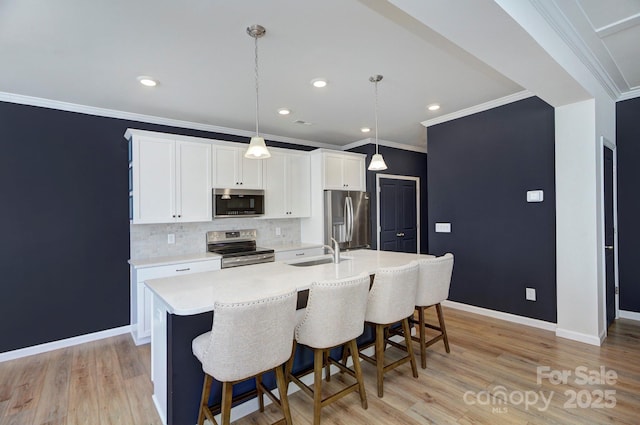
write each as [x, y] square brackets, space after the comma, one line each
[377, 162]
[257, 148]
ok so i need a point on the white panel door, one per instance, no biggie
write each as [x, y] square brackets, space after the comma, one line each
[250, 172]
[353, 173]
[275, 186]
[299, 185]
[154, 180]
[225, 167]
[193, 175]
[333, 171]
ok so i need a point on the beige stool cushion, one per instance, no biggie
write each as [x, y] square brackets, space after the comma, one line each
[393, 294]
[434, 280]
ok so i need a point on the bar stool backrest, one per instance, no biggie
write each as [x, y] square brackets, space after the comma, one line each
[434, 280]
[335, 312]
[249, 338]
[392, 296]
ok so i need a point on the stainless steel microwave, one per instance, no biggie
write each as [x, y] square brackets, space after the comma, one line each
[237, 203]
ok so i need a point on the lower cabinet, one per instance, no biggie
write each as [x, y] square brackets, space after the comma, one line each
[141, 296]
[299, 253]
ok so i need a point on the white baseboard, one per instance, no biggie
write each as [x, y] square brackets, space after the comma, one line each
[535, 323]
[580, 337]
[624, 314]
[63, 343]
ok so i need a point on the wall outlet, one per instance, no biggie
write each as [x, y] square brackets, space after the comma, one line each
[171, 238]
[278, 231]
[531, 294]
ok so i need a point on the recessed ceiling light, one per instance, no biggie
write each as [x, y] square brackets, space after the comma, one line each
[365, 129]
[319, 82]
[433, 107]
[284, 111]
[147, 81]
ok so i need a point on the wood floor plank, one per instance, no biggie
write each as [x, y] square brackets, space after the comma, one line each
[108, 382]
[113, 404]
[54, 398]
[83, 392]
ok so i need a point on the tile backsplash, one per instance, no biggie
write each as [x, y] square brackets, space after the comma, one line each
[150, 240]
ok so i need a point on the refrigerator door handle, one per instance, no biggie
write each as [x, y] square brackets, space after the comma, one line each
[349, 217]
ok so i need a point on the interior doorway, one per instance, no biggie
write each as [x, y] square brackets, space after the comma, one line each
[610, 233]
[398, 213]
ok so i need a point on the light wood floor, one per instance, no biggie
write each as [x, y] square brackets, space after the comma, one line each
[107, 382]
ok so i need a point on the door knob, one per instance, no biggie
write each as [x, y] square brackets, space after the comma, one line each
[608, 247]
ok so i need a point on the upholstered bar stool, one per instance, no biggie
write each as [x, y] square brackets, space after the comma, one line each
[246, 340]
[334, 316]
[434, 280]
[391, 300]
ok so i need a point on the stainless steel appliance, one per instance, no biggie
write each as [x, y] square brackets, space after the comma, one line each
[347, 218]
[238, 248]
[237, 203]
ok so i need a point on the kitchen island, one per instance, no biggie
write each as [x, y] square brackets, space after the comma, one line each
[183, 309]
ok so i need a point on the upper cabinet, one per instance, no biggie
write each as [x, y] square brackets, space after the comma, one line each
[343, 171]
[287, 184]
[169, 180]
[232, 170]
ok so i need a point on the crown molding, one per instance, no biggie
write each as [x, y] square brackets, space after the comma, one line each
[112, 113]
[386, 143]
[630, 94]
[554, 16]
[479, 108]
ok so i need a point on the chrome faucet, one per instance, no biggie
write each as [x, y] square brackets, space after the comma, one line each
[335, 250]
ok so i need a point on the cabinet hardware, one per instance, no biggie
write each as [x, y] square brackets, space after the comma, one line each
[299, 254]
[183, 270]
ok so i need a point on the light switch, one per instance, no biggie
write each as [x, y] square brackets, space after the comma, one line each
[535, 196]
[443, 227]
[171, 238]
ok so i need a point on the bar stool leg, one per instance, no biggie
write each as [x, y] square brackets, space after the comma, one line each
[318, 356]
[225, 412]
[444, 330]
[407, 341]
[259, 391]
[353, 348]
[282, 390]
[327, 371]
[204, 402]
[423, 338]
[380, 343]
[289, 364]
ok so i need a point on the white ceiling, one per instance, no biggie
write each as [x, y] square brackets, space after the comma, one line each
[90, 53]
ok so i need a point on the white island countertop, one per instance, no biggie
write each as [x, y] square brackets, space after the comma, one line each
[197, 293]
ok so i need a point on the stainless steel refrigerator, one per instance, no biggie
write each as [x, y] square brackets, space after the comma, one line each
[347, 218]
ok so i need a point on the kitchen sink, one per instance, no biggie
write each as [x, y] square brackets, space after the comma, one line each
[316, 262]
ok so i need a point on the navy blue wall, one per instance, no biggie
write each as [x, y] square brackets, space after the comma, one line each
[65, 243]
[628, 155]
[404, 163]
[479, 170]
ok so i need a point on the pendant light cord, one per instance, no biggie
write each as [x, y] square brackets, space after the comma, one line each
[257, 87]
[376, 114]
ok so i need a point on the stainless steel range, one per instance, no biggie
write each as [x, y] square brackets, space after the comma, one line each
[238, 248]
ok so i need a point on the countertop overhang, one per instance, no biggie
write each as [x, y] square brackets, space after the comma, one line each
[197, 293]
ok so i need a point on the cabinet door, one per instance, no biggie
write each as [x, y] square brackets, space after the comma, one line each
[153, 180]
[225, 167]
[275, 185]
[251, 171]
[299, 185]
[333, 171]
[353, 173]
[192, 177]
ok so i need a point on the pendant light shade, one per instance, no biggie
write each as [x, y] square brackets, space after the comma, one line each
[257, 147]
[377, 161]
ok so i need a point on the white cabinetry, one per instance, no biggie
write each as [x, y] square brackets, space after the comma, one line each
[170, 180]
[330, 170]
[343, 171]
[233, 170]
[299, 253]
[141, 297]
[287, 184]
